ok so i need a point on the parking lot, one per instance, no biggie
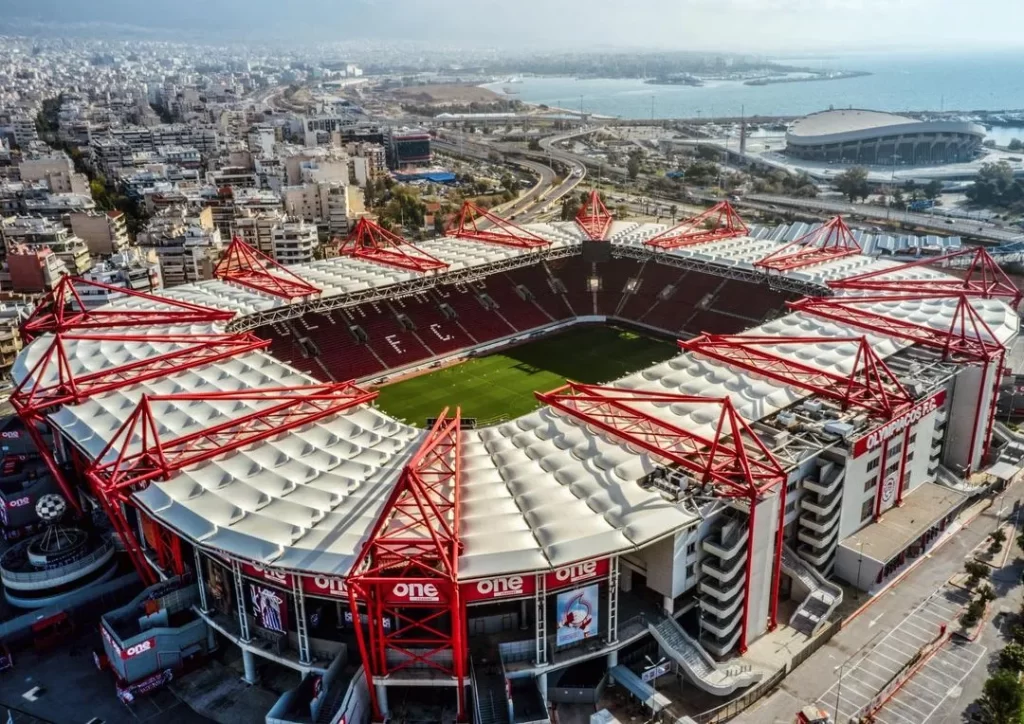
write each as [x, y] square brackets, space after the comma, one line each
[860, 682]
[921, 697]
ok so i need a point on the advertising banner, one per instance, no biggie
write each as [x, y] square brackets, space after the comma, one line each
[874, 439]
[520, 586]
[269, 608]
[578, 614]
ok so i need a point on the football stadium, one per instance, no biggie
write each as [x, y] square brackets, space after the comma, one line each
[495, 469]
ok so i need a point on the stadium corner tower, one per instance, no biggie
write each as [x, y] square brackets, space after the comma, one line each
[820, 422]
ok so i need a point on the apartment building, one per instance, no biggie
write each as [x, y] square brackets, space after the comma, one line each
[294, 242]
[186, 249]
[105, 233]
[38, 233]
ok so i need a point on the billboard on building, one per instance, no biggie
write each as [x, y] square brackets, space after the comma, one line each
[577, 613]
[269, 608]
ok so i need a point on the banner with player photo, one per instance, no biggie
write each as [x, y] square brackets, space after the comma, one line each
[269, 608]
[577, 613]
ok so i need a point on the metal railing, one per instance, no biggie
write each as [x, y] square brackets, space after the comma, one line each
[66, 570]
[741, 703]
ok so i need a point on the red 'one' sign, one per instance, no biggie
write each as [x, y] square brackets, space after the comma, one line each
[518, 586]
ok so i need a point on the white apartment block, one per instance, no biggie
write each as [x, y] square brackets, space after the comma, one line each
[294, 242]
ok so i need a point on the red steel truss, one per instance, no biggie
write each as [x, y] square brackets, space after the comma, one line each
[984, 278]
[733, 463]
[968, 336]
[63, 310]
[35, 394]
[832, 241]
[250, 268]
[408, 571]
[467, 225]
[136, 455]
[593, 218]
[715, 224]
[870, 386]
[371, 242]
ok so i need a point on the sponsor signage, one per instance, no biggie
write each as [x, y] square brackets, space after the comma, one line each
[414, 592]
[330, 586]
[518, 586]
[651, 674]
[270, 575]
[874, 439]
[129, 652]
[324, 586]
[19, 502]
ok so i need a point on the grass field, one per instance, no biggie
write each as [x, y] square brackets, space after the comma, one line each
[504, 383]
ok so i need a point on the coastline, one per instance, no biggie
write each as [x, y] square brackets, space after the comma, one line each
[838, 75]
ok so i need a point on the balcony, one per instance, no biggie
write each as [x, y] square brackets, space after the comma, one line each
[817, 540]
[728, 545]
[822, 506]
[825, 487]
[720, 628]
[820, 523]
[722, 590]
[723, 570]
[719, 609]
[818, 557]
[721, 647]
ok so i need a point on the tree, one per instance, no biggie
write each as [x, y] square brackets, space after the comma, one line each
[534, 145]
[853, 183]
[370, 193]
[570, 207]
[1002, 699]
[1015, 144]
[633, 165]
[976, 570]
[898, 202]
[970, 617]
[673, 210]
[1011, 658]
[933, 189]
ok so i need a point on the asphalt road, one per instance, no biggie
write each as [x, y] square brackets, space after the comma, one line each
[974, 229]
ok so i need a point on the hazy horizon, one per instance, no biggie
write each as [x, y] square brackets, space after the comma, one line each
[758, 26]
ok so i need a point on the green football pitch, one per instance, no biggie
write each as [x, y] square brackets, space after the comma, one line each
[502, 384]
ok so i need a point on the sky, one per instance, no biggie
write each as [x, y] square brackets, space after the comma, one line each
[724, 25]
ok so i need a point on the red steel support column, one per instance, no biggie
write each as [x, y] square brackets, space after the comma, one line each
[903, 467]
[747, 574]
[363, 649]
[881, 480]
[773, 610]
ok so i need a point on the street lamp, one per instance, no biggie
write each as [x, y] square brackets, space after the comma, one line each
[652, 666]
[860, 562]
[839, 687]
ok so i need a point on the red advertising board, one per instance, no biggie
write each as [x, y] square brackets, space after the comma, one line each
[323, 586]
[519, 586]
[896, 426]
[131, 651]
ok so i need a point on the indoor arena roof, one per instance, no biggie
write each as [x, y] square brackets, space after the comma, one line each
[538, 492]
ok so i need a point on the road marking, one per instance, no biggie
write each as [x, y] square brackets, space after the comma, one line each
[876, 619]
[33, 694]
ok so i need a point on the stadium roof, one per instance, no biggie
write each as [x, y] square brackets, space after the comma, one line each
[538, 492]
[844, 121]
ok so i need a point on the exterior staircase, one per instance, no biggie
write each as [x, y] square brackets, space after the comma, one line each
[822, 596]
[489, 696]
[697, 664]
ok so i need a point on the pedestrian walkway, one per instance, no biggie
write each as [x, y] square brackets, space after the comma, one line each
[919, 699]
[859, 684]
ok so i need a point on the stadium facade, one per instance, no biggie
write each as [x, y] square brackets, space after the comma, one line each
[691, 502]
[876, 138]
